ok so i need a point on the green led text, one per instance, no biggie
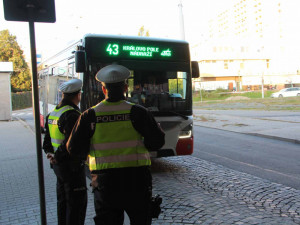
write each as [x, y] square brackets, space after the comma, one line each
[113, 49]
[166, 53]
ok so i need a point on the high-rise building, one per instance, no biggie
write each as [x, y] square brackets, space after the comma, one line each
[251, 39]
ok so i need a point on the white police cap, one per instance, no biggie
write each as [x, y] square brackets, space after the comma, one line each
[71, 86]
[112, 74]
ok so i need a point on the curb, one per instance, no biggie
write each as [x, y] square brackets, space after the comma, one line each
[274, 137]
[26, 125]
[256, 134]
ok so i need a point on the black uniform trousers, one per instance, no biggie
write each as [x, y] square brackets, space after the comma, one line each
[119, 190]
[71, 194]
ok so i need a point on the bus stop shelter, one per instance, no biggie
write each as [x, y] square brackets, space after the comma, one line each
[6, 68]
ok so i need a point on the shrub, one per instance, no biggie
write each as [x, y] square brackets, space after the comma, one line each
[21, 100]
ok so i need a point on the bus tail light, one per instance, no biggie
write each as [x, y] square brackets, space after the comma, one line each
[42, 121]
[42, 124]
[185, 142]
[185, 146]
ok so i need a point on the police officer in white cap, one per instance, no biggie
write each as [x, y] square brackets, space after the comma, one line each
[70, 172]
[117, 135]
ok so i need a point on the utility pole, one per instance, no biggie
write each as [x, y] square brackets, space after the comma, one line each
[262, 85]
[181, 21]
[200, 91]
[182, 33]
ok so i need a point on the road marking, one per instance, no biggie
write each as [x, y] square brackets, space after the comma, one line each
[20, 114]
[251, 165]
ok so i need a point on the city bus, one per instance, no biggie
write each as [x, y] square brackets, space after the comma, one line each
[160, 80]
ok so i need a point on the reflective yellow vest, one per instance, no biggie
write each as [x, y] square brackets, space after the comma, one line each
[56, 136]
[115, 143]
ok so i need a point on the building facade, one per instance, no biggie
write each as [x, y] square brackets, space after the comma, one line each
[250, 44]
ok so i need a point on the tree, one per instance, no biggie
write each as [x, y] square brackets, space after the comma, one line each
[142, 32]
[11, 52]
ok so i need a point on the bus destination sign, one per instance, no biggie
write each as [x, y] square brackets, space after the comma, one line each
[138, 51]
[112, 49]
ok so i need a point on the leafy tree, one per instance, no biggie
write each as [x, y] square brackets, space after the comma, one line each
[142, 32]
[11, 52]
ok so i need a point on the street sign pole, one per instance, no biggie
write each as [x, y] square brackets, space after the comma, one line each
[35, 97]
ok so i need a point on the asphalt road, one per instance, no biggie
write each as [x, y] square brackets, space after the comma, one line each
[277, 161]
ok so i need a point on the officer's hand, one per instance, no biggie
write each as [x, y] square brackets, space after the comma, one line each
[50, 156]
[53, 161]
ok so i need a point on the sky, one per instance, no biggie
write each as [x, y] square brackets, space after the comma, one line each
[74, 18]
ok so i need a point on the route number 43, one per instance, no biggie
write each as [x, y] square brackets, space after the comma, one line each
[113, 49]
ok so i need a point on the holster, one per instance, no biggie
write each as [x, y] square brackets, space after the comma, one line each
[154, 207]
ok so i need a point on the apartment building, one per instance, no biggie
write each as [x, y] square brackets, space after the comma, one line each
[250, 43]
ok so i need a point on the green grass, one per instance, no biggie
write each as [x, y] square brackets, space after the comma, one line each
[220, 94]
[257, 94]
[217, 100]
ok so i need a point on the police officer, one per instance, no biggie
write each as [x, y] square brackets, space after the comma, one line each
[70, 172]
[119, 135]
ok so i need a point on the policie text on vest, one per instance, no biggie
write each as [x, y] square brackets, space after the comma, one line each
[112, 118]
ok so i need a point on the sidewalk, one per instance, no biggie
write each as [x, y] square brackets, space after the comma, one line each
[19, 189]
[276, 125]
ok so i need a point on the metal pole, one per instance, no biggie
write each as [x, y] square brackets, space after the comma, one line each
[35, 98]
[200, 91]
[262, 85]
[181, 21]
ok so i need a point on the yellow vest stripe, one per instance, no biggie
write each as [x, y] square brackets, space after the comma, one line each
[121, 158]
[135, 163]
[56, 141]
[124, 144]
[117, 151]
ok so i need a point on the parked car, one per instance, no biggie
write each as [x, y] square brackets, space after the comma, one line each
[287, 92]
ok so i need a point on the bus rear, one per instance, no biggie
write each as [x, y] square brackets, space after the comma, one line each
[160, 81]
